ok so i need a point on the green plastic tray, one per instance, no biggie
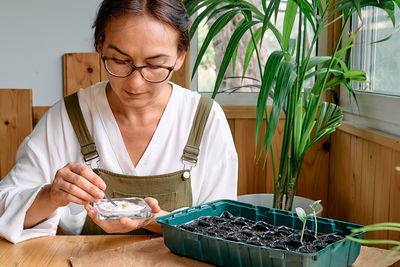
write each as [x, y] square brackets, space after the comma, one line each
[228, 253]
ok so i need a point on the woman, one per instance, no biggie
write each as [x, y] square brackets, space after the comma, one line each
[139, 132]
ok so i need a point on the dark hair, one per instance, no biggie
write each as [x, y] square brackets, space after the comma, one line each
[172, 12]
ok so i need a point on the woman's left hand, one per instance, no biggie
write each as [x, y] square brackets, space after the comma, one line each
[124, 225]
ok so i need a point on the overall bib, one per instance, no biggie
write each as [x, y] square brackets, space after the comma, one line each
[172, 190]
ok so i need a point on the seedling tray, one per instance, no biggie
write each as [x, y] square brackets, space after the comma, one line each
[223, 252]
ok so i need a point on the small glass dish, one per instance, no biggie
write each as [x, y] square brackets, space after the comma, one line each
[132, 207]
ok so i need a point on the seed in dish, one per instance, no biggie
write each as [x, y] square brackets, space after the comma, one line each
[122, 205]
[133, 207]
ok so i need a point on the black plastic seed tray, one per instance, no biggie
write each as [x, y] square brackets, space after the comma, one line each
[224, 252]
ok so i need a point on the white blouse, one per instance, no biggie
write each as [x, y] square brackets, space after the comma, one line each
[53, 144]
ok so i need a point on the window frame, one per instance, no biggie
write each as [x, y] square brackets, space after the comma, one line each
[375, 111]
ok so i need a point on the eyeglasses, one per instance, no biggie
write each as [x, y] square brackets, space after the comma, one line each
[151, 73]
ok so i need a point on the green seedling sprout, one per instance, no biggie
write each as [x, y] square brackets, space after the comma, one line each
[313, 207]
[303, 217]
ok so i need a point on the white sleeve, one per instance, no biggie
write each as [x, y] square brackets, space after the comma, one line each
[219, 173]
[17, 192]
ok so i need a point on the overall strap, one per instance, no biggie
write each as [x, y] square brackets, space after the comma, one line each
[191, 150]
[88, 147]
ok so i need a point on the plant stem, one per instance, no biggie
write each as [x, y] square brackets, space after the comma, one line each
[315, 219]
[302, 230]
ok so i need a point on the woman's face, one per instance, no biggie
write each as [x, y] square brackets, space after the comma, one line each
[140, 40]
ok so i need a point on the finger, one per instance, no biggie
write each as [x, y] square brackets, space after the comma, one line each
[84, 184]
[90, 210]
[76, 200]
[88, 174]
[63, 197]
[76, 192]
[153, 204]
[92, 214]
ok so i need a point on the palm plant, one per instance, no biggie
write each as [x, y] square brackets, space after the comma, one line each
[307, 117]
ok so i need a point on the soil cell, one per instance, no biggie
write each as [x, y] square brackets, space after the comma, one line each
[260, 233]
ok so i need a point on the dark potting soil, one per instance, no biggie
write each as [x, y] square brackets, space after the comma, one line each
[260, 233]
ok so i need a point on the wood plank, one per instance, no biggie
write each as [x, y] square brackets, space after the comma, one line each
[244, 112]
[15, 124]
[364, 212]
[381, 199]
[363, 185]
[80, 70]
[340, 175]
[251, 172]
[38, 112]
[56, 250]
[372, 135]
[232, 127]
[313, 181]
[394, 195]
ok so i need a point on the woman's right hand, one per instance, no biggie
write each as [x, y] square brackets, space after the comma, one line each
[76, 183]
[73, 183]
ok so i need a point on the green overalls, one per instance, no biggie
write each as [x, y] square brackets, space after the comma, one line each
[172, 190]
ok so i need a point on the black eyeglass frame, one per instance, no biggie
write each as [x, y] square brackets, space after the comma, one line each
[138, 68]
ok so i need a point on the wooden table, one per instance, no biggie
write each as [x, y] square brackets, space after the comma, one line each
[56, 250]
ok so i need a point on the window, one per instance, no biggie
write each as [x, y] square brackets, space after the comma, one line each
[381, 61]
[378, 98]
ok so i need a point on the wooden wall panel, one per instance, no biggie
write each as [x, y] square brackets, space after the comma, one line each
[394, 196]
[364, 186]
[231, 123]
[15, 124]
[80, 70]
[313, 182]
[252, 173]
[342, 178]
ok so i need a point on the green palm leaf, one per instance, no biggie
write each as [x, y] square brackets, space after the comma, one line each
[218, 25]
[288, 22]
[193, 5]
[273, 6]
[317, 60]
[329, 118]
[270, 70]
[351, 75]
[284, 82]
[201, 17]
[322, 71]
[348, 7]
[308, 12]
